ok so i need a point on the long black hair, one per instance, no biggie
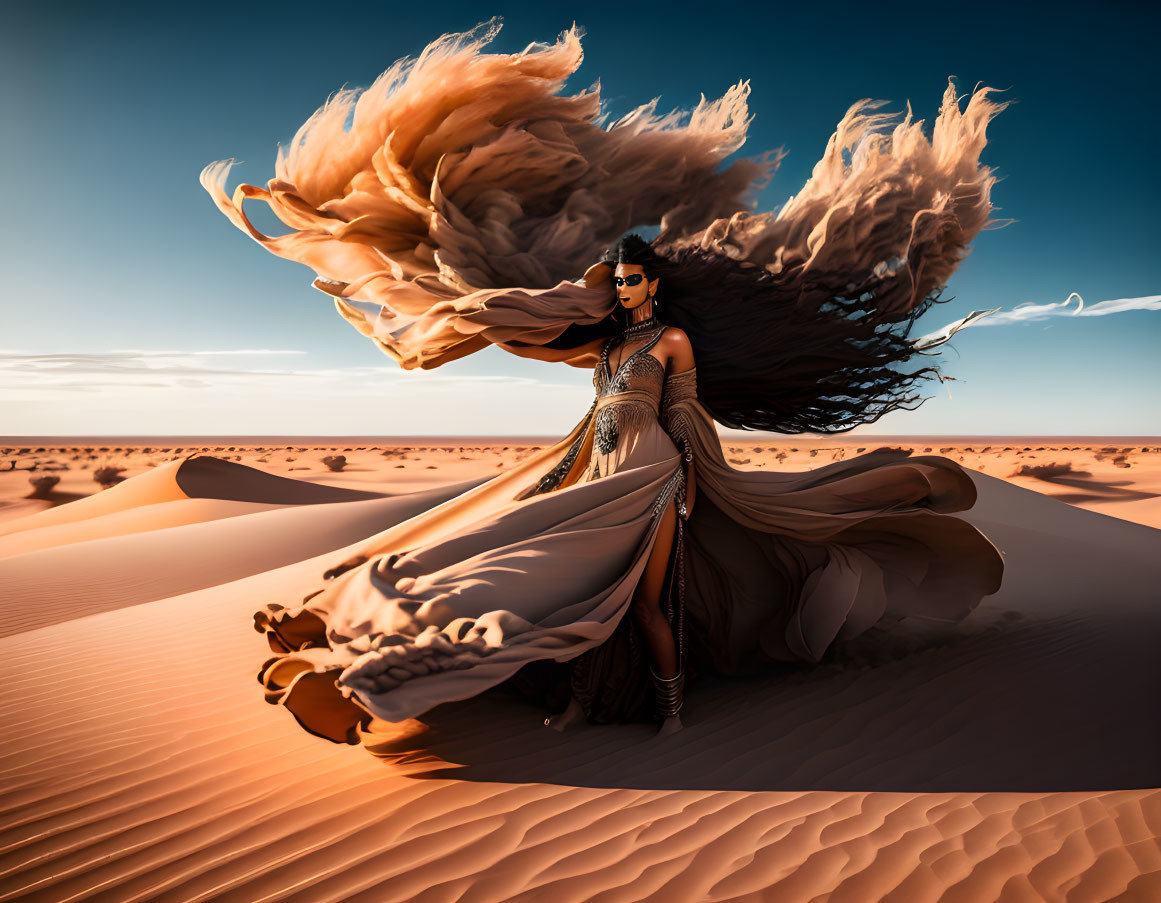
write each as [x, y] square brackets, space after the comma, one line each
[771, 355]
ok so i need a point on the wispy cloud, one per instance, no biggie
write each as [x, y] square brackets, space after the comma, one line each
[256, 392]
[129, 367]
[1031, 311]
[137, 353]
[129, 370]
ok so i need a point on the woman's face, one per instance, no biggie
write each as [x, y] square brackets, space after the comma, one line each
[633, 289]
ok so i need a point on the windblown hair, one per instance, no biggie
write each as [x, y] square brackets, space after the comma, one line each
[451, 205]
[766, 362]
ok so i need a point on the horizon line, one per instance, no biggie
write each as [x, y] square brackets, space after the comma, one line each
[240, 438]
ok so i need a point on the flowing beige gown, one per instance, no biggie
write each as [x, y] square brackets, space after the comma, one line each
[540, 563]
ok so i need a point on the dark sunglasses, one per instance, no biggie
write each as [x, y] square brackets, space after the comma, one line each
[634, 279]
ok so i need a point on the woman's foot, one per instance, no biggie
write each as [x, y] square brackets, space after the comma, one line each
[670, 725]
[574, 714]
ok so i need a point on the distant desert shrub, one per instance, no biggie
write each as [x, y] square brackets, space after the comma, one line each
[1049, 471]
[42, 487]
[108, 476]
[335, 462]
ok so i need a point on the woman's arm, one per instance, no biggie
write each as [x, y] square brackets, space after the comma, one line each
[586, 355]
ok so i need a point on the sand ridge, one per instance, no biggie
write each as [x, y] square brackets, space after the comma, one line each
[1119, 476]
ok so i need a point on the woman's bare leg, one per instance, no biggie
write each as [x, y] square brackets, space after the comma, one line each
[646, 608]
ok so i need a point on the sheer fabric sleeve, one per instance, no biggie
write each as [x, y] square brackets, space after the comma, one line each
[678, 413]
[689, 424]
[690, 427]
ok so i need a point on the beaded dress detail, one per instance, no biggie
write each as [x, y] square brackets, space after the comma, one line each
[626, 400]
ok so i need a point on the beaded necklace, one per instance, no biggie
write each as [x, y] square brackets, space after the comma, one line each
[638, 329]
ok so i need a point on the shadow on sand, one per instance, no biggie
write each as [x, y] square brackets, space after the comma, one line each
[1001, 702]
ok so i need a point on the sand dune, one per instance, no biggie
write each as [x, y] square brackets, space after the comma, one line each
[95, 569]
[149, 488]
[1014, 756]
[1121, 478]
[146, 519]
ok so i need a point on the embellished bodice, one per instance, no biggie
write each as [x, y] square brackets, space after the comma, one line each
[632, 393]
[639, 394]
[640, 370]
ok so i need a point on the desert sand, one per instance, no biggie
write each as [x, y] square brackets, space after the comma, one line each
[1014, 756]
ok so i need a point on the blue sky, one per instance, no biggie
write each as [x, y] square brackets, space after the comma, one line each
[131, 306]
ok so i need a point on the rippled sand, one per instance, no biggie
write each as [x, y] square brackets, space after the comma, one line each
[1012, 757]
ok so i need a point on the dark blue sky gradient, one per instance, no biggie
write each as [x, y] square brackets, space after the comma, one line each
[110, 111]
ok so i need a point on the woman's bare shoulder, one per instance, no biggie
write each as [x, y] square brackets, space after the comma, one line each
[678, 349]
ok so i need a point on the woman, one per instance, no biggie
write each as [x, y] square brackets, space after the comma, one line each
[630, 369]
[443, 220]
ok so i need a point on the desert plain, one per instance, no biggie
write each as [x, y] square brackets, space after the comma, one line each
[1014, 756]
